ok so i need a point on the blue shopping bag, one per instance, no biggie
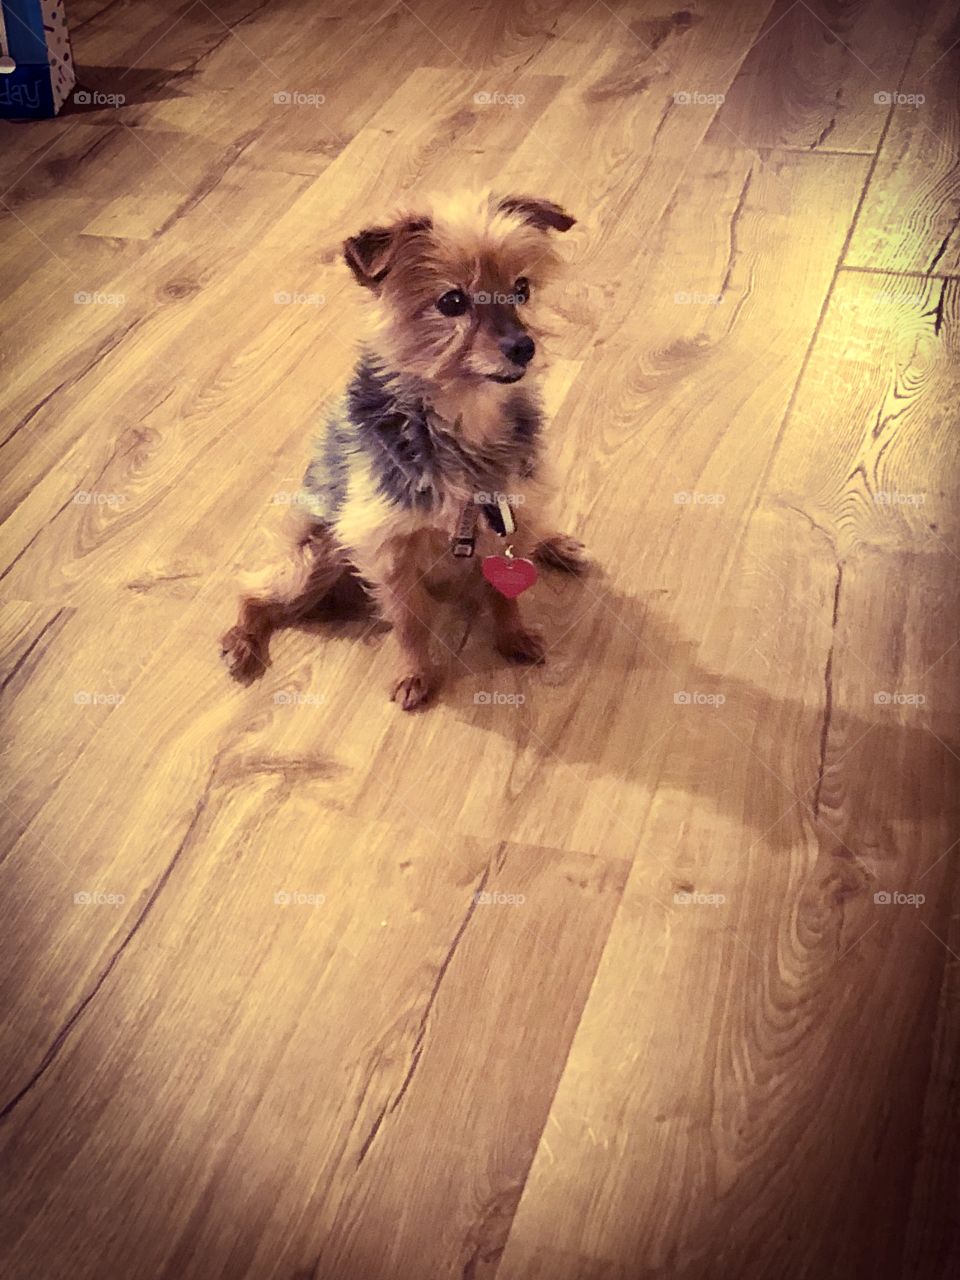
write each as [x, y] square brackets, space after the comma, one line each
[36, 65]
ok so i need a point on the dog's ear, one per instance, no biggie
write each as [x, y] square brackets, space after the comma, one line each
[370, 254]
[542, 214]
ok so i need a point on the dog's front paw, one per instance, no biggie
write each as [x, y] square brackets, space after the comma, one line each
[562, 552]
[243, 655]
[412, 691]
[522, 644]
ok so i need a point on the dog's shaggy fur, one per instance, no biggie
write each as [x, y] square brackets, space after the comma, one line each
[433, 419]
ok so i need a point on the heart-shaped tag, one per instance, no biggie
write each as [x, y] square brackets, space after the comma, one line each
[510, 575]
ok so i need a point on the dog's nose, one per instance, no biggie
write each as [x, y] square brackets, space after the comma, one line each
[519, 350]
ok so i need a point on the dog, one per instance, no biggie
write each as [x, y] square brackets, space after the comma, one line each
[434, 453]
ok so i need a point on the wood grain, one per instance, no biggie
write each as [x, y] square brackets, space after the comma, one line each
[257, 1021]
[850, 794]
[820, 76]
[342, 906]
[911, 212]
[931, 1247]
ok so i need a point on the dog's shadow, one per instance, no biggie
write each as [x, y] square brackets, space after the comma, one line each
[646, 708]
[624, 691]
[100, 92]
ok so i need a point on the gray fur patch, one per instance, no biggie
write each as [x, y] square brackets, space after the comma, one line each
[413, 454]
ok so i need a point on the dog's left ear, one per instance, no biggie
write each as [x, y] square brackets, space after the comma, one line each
[370, 254]
[542, 214]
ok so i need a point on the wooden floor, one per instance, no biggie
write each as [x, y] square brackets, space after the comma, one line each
[645, 964]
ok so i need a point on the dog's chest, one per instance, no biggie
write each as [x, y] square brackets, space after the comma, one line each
[427, 464]
[389, 447]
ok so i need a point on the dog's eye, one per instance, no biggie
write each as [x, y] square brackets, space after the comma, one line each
[453, 303]
[522, 290]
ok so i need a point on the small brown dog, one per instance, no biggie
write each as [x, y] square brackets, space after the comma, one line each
[434, 451]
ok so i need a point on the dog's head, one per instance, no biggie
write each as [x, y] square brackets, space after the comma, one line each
[456, 288]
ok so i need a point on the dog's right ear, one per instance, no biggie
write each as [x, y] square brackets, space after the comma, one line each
[370, 254]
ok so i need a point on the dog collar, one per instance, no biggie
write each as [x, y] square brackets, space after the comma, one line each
[499, 516]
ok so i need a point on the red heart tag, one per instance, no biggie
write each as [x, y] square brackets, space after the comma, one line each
[510, 575]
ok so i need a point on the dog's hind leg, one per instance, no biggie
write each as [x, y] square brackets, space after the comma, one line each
[560, 551]
[285, 597]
